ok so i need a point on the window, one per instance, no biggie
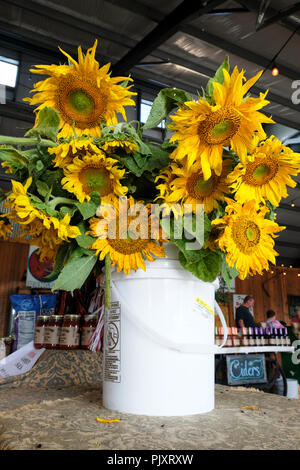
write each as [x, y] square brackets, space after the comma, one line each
[145, 111]
[8, 71]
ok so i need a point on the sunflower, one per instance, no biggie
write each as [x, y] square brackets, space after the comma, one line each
[265, 173]
[38, 228]
[66, 152]
[114, 146]
[5, 229]
[189, 187]
[94, 173]
[127, 250]
[247, 237]
[84, 94]
[202, 129]
[8, 167]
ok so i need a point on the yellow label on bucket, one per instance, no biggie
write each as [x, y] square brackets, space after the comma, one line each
[205, 305]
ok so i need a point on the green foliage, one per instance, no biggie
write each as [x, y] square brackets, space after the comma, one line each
[228, 273]
[16, 158]
[202, 263]
[76, 270]
[206, 268]
[48, 125]
[61, 256]
[271, 214]
[218, 77]
[87, 209]
[166, 100]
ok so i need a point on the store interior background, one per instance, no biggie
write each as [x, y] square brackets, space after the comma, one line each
[185, 56]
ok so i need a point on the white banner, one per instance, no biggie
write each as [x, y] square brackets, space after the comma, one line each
[20, 361]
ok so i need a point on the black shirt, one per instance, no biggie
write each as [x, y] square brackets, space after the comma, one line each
[243, 313]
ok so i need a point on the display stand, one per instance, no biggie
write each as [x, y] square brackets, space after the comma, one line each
[274, 369]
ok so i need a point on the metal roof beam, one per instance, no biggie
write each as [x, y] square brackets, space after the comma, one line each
[253, 5]
[237, 50]
[210, 73]
[287, 244]
[284, 13]
[169, 25]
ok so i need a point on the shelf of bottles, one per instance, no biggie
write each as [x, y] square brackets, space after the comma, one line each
[254, 340]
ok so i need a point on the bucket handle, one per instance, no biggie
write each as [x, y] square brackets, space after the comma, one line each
[219, 312]
[191, 348]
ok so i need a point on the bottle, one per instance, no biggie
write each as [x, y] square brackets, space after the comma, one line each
[262, 336]
[62, 304]
[251, 337]
[235, 338]
[78, 307]
[70, 332]
[287, 338]
[257, 338]
[228, 343]
[39, 332]
[267, 336]
[220, 335]
[52, 332]
[281, 339]
[272, 338]
[276, 337]
[245, 339]
[88, 329]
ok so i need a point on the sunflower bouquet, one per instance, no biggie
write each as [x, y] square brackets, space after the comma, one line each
[82, 170]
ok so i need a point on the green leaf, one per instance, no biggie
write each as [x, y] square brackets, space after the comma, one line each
[42, 188]
[48, 125]
[228, 273]
[75, 272]
[40, 165]
[270, 215]
[11, 155]
[87, 209]
[218, 77]
[60, 258]
[158, 159]
[207, 268]
[166, 100]
[85, 241]
[67, 210]
[95, 197]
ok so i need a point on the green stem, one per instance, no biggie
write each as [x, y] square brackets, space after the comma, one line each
[107, 281]
[23, 141]
[60, 200]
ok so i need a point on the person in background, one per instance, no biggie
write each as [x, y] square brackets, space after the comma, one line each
[296, 318]
[272, 321]
[243, 316]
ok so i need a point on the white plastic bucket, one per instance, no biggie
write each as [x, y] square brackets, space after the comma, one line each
[292, 388]
[158, 343]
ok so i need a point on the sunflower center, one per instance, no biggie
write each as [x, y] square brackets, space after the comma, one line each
[129, 246]
[96, 179]
[219, 126]
[246, 234]
[199, 188]
[260, 171]
[80, 101]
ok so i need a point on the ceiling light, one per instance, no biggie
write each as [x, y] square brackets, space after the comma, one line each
[275, 71]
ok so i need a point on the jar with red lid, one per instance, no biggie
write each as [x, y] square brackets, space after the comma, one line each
[88, 329]
[70, 332]
[52, 332]
[39, 332]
